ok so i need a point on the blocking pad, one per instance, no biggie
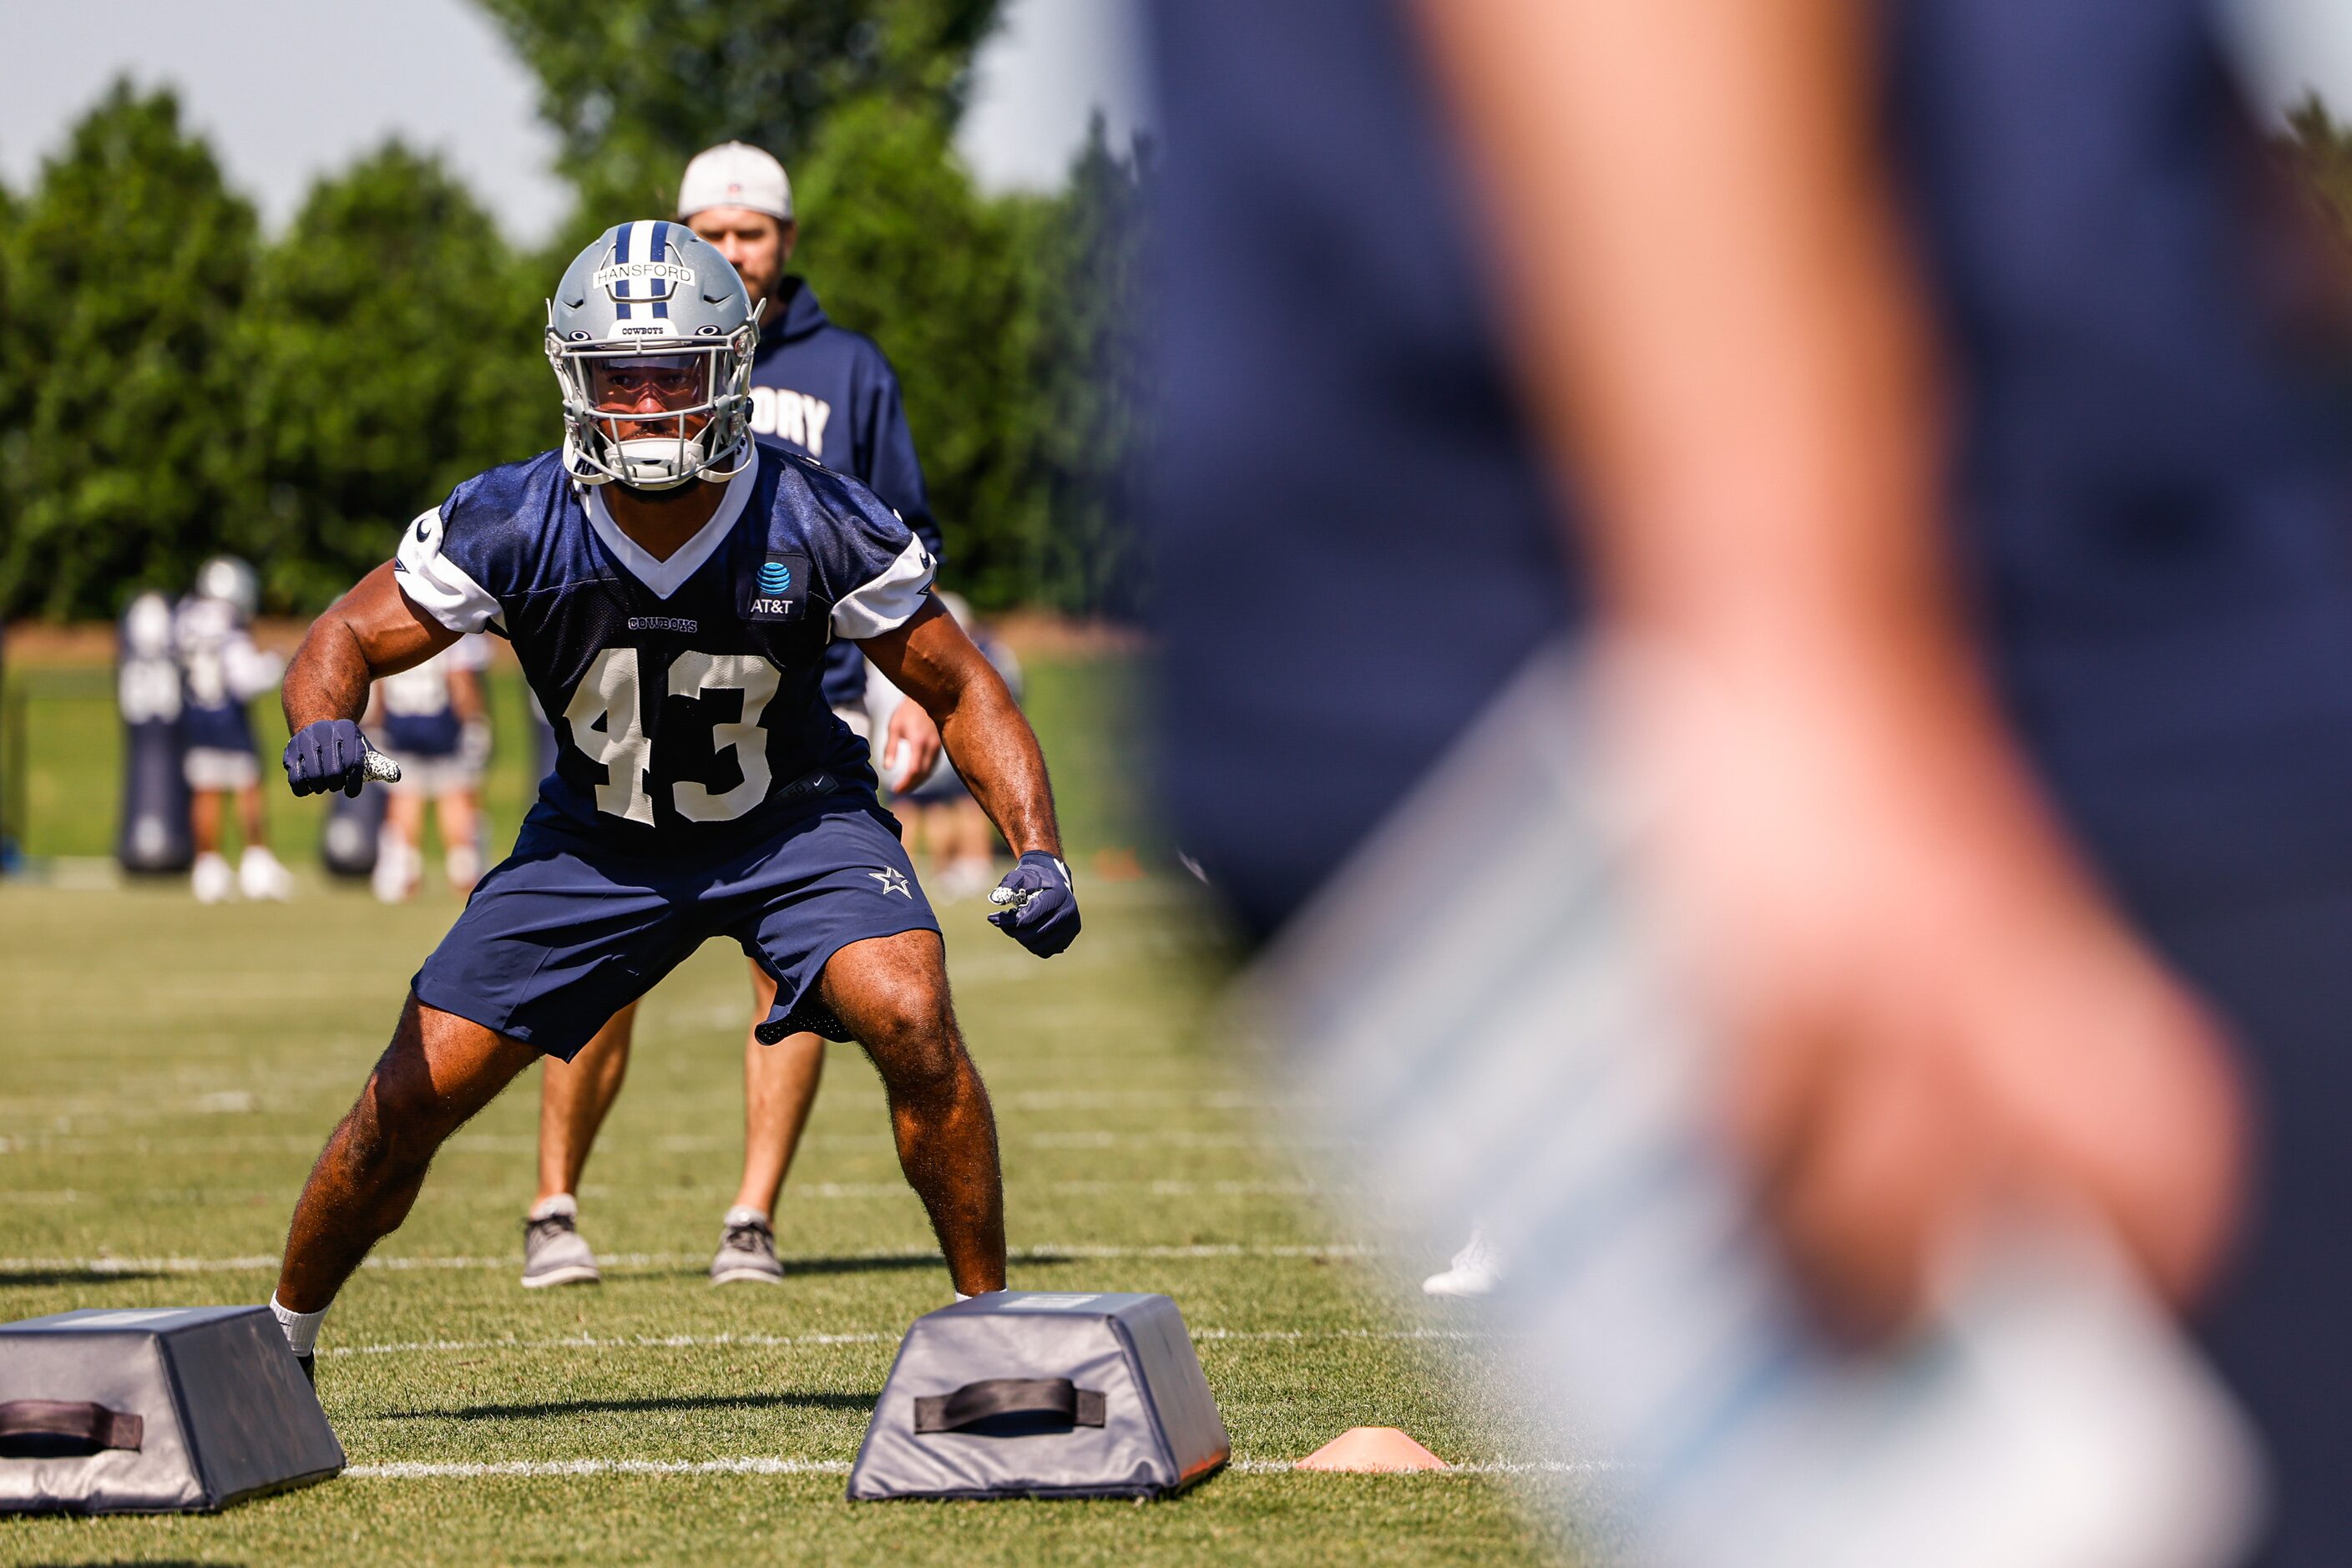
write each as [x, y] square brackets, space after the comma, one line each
[161, 1410]
[1035, 1394]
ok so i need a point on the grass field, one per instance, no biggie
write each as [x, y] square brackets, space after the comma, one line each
[166, 1074]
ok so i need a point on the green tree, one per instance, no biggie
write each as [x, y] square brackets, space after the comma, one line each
[899, 245]
[123, 464]
[636, 87]
[395, 346]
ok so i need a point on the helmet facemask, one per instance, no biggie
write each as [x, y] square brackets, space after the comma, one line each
[656, 414]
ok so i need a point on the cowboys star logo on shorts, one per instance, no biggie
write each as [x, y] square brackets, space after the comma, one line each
[893, 880]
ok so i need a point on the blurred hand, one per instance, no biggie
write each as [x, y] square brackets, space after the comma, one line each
[1934, 1017]
[911, 747]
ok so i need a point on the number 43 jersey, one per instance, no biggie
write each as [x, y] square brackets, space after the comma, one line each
[684, 692]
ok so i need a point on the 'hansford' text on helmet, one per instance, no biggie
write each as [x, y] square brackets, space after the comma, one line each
[651, 335]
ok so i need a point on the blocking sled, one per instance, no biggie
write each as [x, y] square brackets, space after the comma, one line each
[1031, 1394]
[165, 1410]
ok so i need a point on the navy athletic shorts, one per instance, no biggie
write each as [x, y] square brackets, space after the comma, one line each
[565, 932]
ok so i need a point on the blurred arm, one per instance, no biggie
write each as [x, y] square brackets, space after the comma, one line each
[1718, 334]
[370, 632]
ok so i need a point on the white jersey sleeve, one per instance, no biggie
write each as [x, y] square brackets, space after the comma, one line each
[438, 584]
[884, 601]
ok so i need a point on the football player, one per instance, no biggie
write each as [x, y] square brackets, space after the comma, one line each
[221, 670]
[436, 725]
[669, 586]
[829, 392]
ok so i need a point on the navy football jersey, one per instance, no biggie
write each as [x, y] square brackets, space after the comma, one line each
[221, 672]
[685, 693]
[415, 711]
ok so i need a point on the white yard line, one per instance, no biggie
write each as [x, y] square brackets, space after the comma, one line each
[1480, 1468]
[1074, 1251]
[608, 1341]
[420, 1470]
[478, 1144]
[717, 1342]
[416, 1470]
[600, 1197]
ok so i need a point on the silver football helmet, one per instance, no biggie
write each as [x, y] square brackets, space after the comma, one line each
[232, 582]
[650, 305]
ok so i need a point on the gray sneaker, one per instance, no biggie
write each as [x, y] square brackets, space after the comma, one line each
[747, 1251]
[553, 1254]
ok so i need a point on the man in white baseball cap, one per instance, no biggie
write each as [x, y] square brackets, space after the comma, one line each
[737, 175]
[828, 394]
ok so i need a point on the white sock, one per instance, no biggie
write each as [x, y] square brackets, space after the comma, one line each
[741, 1215]
[302, 1328]
[562, 1203]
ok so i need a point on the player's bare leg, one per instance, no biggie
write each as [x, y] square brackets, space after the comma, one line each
[204, 820]
[461, 832]
[438, 1070]
[258, 873]
[780, 1083]
[575, 1098]
[398, 858]
[251, 819]
[210, 877]
[892, 993]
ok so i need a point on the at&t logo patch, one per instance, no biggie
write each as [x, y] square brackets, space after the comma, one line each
[779, 592]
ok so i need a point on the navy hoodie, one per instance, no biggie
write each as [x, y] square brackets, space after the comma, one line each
[830, 394]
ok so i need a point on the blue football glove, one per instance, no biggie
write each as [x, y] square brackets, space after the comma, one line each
[1039, 910]
[328, 755]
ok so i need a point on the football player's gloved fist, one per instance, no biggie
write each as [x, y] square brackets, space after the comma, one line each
[330, 754]
[1038, 908]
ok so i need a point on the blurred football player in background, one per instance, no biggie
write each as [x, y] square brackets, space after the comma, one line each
[433, 721]
[222, 672]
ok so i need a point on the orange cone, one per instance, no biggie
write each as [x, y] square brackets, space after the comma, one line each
[1371, 1448]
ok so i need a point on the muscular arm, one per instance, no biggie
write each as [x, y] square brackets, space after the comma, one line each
[370, 632]
[989, 742]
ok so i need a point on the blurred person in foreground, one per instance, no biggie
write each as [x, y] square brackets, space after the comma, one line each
[1913, 377]
[828, 394]
[221, 672]
[945, 821]
[434, 722]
